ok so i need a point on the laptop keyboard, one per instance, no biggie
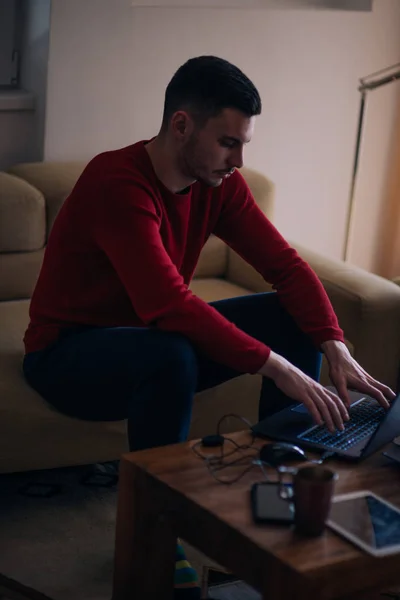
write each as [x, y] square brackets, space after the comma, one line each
[365, 417]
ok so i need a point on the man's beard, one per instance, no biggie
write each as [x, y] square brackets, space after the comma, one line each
[192, 167]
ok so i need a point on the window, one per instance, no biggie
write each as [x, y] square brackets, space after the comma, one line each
[10, 38]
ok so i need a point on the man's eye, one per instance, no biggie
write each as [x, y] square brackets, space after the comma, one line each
[228, 144]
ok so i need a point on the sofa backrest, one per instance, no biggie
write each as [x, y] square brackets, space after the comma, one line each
[55, 181]
[31, 195]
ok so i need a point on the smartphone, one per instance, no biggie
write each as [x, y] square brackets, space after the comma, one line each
[267, 506]
[368, 521]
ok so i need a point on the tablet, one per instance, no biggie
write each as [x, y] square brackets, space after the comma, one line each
[368, 521]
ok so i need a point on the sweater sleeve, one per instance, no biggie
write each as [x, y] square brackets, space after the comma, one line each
[245, 228]
[127, 228]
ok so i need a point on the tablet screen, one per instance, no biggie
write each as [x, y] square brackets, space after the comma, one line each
[369, 519]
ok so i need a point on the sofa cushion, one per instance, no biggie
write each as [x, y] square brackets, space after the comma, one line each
[22, 215]
[19, 271]
[33, 434]
[54, 179]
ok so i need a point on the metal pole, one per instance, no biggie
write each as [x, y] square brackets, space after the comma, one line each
[350, 206]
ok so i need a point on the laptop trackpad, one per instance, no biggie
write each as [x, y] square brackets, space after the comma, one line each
[300, 408]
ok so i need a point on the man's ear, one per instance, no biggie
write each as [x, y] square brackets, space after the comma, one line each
[181, 125]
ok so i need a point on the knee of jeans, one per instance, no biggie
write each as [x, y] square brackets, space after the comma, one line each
[181, 359]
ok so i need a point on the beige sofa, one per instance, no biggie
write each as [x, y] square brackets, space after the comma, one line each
[35, 436]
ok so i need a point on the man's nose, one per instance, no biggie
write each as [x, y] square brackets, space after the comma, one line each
[238, 158]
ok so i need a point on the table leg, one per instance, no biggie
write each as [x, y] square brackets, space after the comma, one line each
[145, 542]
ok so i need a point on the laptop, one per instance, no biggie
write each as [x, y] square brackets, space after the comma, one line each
[370, 427]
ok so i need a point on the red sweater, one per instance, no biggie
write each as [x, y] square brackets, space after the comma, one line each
[123, 250]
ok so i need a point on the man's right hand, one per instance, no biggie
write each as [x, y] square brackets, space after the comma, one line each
[323, 405]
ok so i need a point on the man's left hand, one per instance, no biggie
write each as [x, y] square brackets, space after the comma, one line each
[345, 373]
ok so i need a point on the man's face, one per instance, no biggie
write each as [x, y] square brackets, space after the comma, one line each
[211, 153]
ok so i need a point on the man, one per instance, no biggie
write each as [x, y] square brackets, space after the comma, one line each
[115, 332]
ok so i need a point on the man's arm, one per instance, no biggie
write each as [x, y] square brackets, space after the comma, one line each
[245, 228]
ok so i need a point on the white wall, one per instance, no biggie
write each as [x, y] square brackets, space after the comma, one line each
[109, 65]
[91, 91]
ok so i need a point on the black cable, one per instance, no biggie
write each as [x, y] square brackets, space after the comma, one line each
[245, 421]
[217, 462]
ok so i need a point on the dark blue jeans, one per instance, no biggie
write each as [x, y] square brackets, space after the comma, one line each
[150, 376]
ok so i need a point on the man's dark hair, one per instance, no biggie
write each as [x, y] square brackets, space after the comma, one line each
[205, 85]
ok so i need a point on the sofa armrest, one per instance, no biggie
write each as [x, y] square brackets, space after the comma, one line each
[367, 306]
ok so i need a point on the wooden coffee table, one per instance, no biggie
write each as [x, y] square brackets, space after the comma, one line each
[169, 492]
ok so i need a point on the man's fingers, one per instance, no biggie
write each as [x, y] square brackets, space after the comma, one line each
[377, 394]
[371, 390]
[342, 407]
[337, 409]
[386, 391]
[328, 410]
